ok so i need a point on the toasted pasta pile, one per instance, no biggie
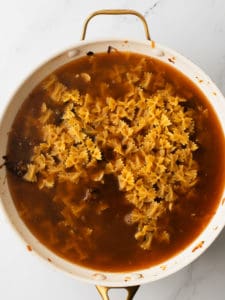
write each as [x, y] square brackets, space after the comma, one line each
[148, 137]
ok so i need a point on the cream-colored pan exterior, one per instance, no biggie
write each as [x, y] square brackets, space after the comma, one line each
[94, 276]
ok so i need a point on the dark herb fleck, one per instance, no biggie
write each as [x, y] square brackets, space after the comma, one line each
[110, 49]
[90, 53]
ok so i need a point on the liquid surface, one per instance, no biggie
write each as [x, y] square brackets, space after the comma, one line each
[100, 238]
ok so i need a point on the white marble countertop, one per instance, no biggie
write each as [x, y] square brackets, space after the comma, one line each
[32, 31]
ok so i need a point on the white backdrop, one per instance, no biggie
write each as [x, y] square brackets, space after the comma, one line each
[32, 31]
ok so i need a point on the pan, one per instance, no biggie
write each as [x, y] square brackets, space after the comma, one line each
[106, 280]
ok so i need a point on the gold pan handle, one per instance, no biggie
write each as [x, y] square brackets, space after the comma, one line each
[103, 291]
[116, 12]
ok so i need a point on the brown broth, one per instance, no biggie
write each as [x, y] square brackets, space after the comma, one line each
[113, 247]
